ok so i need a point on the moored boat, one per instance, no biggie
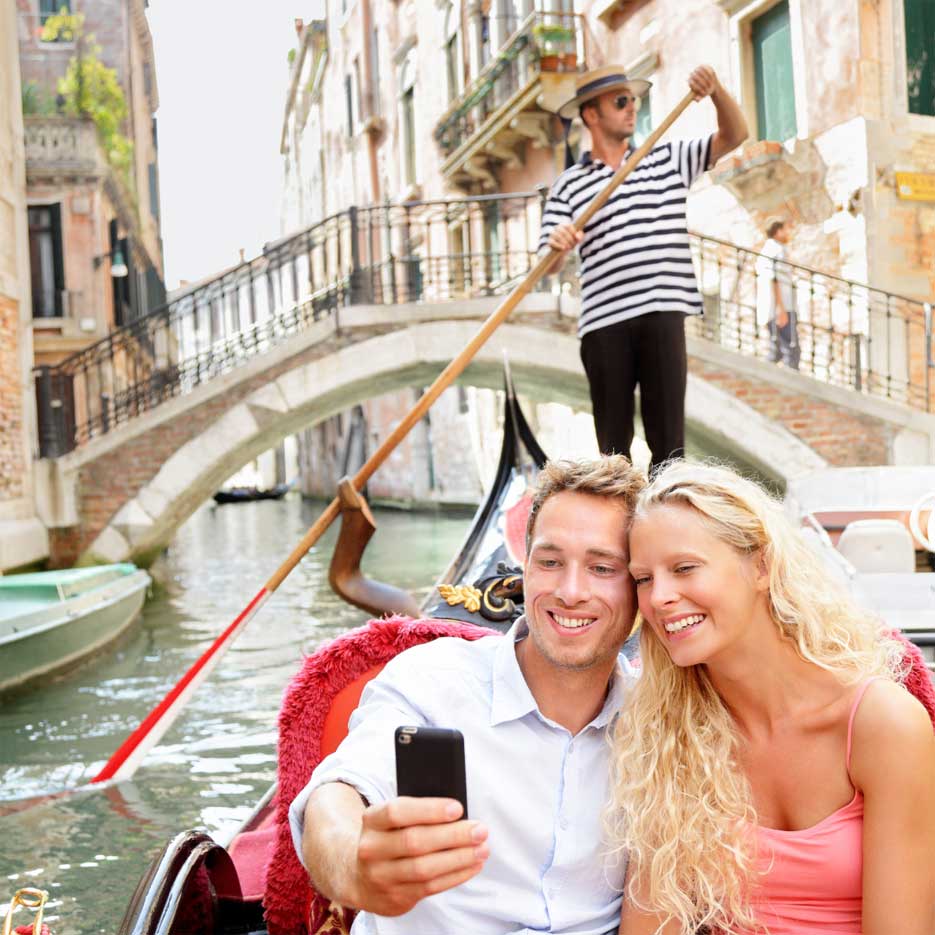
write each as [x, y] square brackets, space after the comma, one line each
[249, 494]
[51, 620]
[873, 526]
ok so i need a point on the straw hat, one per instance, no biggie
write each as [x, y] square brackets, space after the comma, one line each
[599, 81]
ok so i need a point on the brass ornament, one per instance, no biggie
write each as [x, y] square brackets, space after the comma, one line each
[455, 594]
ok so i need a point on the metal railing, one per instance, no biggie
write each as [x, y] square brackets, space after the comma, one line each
[846, 333]
[849, 334]
[426, 251]
[541, 42]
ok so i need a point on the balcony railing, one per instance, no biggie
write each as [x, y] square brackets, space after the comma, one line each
[543, 42]
[56, 145]
[850, 335]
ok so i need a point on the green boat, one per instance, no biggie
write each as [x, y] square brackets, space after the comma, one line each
[51, 620]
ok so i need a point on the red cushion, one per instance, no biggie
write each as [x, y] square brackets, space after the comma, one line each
[342, 707]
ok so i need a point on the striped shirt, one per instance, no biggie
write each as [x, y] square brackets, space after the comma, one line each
[635, 256]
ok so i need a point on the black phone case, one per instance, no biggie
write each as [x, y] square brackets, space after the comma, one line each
[430, 762]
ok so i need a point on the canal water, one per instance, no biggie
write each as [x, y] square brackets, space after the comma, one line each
[89, 848]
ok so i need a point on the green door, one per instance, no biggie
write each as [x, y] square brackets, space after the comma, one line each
[772, 62]
[920, 56]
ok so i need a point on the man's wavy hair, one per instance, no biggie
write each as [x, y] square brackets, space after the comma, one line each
[611, 476]
[680, 804]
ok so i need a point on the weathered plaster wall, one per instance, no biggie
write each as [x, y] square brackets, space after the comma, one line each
[23, 538]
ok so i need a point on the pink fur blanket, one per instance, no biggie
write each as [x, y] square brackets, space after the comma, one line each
[291, 906]
[917, 680]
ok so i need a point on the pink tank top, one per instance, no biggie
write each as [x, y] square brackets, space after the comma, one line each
[815, 882]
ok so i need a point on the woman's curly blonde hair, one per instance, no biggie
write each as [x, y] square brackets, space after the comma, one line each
[680, 804]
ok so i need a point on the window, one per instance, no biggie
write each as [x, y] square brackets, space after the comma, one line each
[349, 101]
[49, 8]
[772, 71]
[451, 66]
[644, 120]
[374, 91]
[409, 135]
[45, 259]
[920, 56]
[153, 191]
[451, 30]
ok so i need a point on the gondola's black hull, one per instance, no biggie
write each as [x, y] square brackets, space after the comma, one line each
[250, 494]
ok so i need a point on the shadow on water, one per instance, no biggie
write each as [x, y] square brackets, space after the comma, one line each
[89, 848]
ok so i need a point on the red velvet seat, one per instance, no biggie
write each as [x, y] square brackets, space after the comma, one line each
[312, 722]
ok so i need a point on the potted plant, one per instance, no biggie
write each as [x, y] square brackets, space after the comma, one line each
[556, 46]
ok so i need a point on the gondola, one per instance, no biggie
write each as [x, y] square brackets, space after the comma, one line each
[249, 494]
[198, 886]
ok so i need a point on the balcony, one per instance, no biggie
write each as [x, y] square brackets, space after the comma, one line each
[513, 99]
[59, 147]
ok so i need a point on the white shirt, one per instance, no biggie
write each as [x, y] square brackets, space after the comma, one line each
[539, 790]
[770, 267]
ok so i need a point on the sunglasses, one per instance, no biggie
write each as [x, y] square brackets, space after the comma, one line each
[621, 100]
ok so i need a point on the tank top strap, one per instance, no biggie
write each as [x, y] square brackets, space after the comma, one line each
[850, 721]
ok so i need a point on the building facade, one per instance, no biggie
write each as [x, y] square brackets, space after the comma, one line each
[92, 182]
[447, 98]
[405, 101]
[23, 538]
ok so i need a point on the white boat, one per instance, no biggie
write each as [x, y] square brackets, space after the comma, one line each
[51, 620]
[875, 528]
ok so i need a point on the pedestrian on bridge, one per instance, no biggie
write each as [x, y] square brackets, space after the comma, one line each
[774, 283]
[637, 279]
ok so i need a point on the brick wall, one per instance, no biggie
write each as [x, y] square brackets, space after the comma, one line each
[841, 437]
[13, 463]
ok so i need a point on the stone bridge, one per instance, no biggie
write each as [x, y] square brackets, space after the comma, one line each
[123, 494]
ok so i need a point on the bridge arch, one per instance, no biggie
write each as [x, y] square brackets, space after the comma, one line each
[545, 366]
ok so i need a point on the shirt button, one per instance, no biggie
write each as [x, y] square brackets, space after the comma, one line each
[563, 824]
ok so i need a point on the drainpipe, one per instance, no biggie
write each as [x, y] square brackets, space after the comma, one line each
[367, 22]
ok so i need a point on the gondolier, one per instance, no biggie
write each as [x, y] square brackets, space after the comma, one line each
[637, 279]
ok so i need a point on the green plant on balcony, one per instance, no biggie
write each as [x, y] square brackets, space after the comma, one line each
[37, 101]
[91, 89]
[556, 45]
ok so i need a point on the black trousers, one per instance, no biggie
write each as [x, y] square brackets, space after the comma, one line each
[649, 352]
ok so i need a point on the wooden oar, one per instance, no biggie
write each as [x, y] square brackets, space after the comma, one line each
[123, 764]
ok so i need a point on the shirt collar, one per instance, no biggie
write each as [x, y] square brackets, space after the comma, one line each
[587, 161]
[511, 697]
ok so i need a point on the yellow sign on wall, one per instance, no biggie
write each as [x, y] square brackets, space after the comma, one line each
[916, 186]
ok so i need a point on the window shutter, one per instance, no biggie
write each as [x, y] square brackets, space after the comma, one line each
[772, 57]
[920, 56]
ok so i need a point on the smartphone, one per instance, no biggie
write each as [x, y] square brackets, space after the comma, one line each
[430, 762]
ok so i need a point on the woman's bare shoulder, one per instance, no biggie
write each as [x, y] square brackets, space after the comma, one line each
[892, 730]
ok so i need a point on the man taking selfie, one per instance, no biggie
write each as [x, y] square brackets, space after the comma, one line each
[533, 708]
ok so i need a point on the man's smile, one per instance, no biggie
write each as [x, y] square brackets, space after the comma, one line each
[571, 621]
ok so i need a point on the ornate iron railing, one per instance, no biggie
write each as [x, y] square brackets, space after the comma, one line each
[542, 42]
[849, 334]
[423, 251]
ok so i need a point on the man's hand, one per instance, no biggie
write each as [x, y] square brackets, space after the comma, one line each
[565, 237]
[703, 81]
[782, 317]
[410, 848]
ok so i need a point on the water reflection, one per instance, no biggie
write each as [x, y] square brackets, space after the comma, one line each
[90, 847]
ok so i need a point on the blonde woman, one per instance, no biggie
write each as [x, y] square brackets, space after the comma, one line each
[770, 775]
